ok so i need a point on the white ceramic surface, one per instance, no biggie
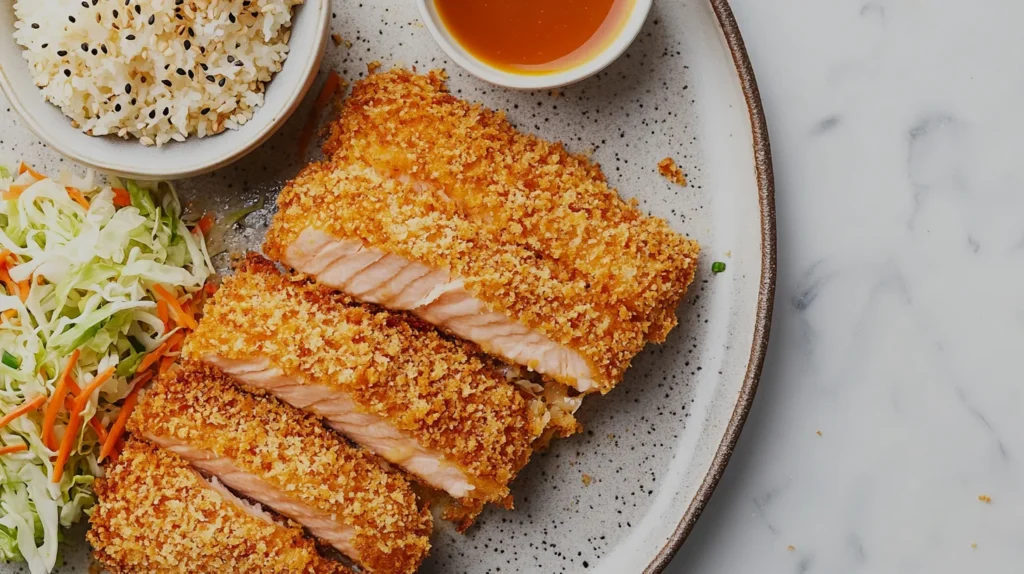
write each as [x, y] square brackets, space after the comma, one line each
[194, 156]
[650, 444]
[630, 29]
[899, 323]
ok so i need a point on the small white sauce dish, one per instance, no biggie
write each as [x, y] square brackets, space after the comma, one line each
[174, 160]
[467, 61]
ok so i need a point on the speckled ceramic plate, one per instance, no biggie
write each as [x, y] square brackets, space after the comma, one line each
[622, 496]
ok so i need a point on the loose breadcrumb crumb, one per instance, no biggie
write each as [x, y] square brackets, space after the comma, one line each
[670, 171]
[985, 498]
[156, 514]
[586, 479]
[818, 433]
[336, 38]
[974, 545]
[295, 455]
[791, 548]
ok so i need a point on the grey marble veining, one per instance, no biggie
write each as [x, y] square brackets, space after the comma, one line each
[899, 320]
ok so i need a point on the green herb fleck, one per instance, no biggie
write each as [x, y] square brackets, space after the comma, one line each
[717, 267]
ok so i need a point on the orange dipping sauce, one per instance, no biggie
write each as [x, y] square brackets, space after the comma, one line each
[534, 36]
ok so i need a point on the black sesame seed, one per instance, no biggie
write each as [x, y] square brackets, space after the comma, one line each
[179, 16]
[211, 79]
[127, 2]
[142, 79]
[35, 26]
[191, 32]
[255, 14]
[134, 101]
[152, 114]
[117, 107]
[231, 18]
[166, 83]
[67, 73]
[180, 72]
[202, 49]
[94, 52]
[179, 2]
[95, 2]
[72, 19]
[103, 48]
[62, 53]
[204, 67]
[231, 59]
[116, 14]
[239, 63]
[127, 88]
[85, 47]
[85, 4]
[221, 82]
[246, 3]
[188, 45]
[152, 19]
[167, 111]
[205, 111]
[45, 46]
[138, 9]
[130, 37]
[191, 76]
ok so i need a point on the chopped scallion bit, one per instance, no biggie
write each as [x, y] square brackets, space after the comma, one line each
[717, 267]
[10, 360]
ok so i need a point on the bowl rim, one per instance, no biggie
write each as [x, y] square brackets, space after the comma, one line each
[634, 23]
[217, 161]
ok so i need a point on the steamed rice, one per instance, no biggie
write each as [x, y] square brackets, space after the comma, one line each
[155, 70]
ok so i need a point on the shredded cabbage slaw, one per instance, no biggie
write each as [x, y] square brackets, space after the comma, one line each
[82, 265]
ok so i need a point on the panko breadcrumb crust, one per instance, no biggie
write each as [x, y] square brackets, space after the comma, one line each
[156, 514]
[534, 231]
[439, 392]
[199, 406]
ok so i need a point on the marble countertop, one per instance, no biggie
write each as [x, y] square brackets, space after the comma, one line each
[887, 434]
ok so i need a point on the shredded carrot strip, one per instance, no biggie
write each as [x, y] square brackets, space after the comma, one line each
[8, 314]
[70, 436]
[165, 365]
[177, 312]
[94, 384]
[15, 191]
[331, 86]
[78, 197]
[23, 289]
[166, 347]
[23, 167]
[97, 426]
[206, 223]
[56, 400]
[121, 197]
[23, 409]
[163, 314]
[13, 448]
[117, 429]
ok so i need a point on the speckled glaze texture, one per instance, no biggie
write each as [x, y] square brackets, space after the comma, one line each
[621, 496]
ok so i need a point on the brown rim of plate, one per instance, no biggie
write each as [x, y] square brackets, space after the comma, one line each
[766, 296]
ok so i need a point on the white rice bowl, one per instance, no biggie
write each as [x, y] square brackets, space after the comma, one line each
[155, 70]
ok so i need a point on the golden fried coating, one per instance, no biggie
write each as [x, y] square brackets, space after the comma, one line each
[438, 392]
[533, 231]
[156, 514]
[293, 454]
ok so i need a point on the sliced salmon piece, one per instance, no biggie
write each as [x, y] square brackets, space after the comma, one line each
[285, 460]
[530, 253]
[437, 408]
[156, 514]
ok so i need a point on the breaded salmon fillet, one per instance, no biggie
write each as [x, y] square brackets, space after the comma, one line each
[440, 207]
[427, 404]
[156, 514]
[286, 460]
